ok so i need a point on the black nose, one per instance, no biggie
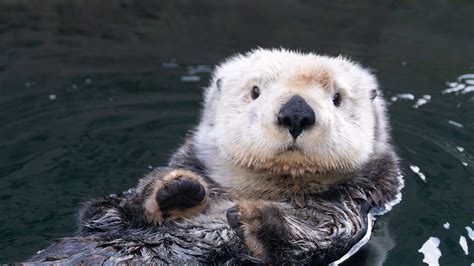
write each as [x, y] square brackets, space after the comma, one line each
[296, 115]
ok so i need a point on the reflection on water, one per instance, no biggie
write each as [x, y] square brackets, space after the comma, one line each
[417, 171]
[380, 245]
[463, 244]
[93, 93]
[463, 85]
[470, 232]
[431, 252]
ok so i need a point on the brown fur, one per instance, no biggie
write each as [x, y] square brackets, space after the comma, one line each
[248, 216]
[302, 77]
[284, 187]
[277, 231]
[296, 164]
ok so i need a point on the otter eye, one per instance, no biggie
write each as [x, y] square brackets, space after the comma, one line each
[337, 99]
[255, 92]
[373, 94]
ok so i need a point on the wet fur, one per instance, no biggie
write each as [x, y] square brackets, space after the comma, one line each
[256, 209]
[329, 224]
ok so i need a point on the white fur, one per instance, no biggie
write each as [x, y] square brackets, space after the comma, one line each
[239, 138]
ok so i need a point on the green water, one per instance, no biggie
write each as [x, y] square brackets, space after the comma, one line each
[94, 93]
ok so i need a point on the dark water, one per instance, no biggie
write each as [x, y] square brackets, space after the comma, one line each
[93, 93]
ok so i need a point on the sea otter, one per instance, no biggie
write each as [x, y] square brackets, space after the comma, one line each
[290, 160]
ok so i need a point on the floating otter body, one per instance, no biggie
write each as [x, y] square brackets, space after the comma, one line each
[288, 164]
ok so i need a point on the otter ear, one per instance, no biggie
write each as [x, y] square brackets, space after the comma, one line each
[219, 84]
[373, 94]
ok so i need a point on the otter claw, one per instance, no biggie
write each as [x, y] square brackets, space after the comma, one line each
[232, 216]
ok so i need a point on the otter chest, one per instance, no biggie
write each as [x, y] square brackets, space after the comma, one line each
[295, 190]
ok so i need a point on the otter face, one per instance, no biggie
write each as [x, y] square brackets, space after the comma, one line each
[287, 112]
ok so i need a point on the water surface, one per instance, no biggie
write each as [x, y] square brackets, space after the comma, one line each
[93, 94]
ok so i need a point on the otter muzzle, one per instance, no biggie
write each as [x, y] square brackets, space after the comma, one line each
[296, 115]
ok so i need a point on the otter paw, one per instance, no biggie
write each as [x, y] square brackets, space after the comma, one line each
[260, 225]
[176, 194]
[180, 193]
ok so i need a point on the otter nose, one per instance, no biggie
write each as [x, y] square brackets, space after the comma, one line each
[296, 115]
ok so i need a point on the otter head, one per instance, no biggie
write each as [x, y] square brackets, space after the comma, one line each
[292, 113]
